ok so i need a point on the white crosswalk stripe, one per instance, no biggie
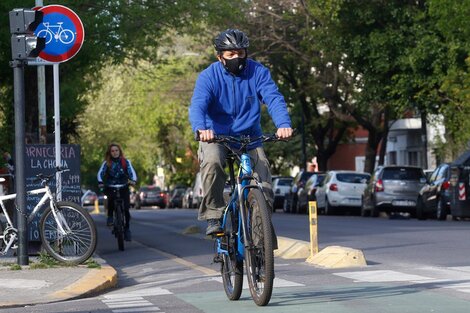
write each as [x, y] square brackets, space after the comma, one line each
[278, 282]
[456, 278]
[129, 303]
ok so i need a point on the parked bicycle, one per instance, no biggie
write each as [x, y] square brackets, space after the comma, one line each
[247, 229]
[67, 231]
[119, 216]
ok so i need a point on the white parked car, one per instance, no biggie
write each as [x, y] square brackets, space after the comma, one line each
[341, 189]
[281, 186]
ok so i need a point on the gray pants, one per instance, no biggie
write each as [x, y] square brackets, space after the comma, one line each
[212, 158]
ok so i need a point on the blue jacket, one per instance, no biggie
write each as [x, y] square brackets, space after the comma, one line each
[115, 174]
[231, 105]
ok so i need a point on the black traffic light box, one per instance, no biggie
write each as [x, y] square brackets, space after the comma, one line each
[24, 44]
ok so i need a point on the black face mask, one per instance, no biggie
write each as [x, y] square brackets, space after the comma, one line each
[235, 66]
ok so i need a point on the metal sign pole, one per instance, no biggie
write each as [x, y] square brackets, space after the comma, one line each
[57, 130]
[18, 77]
[42, 97]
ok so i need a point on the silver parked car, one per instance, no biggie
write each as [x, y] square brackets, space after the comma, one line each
[341, 190]
[393, 189]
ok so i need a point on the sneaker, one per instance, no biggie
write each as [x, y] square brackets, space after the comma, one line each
[127, 235]
[109, 221]
[213, 226]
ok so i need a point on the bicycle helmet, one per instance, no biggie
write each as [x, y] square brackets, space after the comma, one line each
[231, 39]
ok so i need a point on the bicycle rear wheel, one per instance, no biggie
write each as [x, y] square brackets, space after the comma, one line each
[119, 226]
[259, 256]
[80, 238]
[231, 269]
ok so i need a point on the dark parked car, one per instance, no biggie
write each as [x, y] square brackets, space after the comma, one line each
[290, 201]
[151, 195]
[176, 197]
[307, 193]
[434, 197]
[393, 189]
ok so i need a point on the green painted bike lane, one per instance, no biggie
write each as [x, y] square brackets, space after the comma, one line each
[356, 298]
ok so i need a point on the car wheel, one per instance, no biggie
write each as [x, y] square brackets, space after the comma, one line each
[364, 211]
[374, 212]
[441, 213]
[328, 209]
[285, 205]
[298, 209]
[420, 214]
[293, 205]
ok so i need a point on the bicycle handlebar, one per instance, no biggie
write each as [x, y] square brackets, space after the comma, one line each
[118, 186]
[244, 139]
[46, 178]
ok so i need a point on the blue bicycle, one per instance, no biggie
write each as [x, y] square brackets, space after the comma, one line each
[247, 229]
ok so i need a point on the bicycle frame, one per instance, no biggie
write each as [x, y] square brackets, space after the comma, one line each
[240, 194]
[46, 197]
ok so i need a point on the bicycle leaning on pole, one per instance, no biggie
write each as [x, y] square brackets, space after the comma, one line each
[67, 231]
[247, 229]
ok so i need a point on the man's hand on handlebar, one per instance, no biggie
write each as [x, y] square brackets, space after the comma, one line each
[284, 133]
[206, 135]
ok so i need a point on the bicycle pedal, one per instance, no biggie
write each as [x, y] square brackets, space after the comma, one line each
[217, 259]
[218, 235]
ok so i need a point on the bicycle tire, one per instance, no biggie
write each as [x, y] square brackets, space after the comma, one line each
[1, 233]
[259, 255]
[79, 244]
[231, 268]
[119, 227]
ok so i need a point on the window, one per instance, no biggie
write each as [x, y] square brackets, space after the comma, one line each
[413, 158]
[392, 158]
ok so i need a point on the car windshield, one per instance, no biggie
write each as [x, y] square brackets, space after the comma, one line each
[402, 173]
[354, 178]
[284, 182]
[147, 189]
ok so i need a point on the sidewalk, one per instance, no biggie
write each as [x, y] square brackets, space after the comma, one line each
[33, 286]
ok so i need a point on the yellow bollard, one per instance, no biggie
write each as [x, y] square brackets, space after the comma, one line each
[97, 208]
[312, 215]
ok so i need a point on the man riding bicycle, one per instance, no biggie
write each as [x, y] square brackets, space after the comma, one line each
[227, 101]
[117, 170]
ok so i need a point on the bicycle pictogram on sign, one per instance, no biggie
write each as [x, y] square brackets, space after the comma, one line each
[65, 36]
[63, 31]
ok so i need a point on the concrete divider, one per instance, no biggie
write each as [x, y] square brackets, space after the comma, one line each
[292, 249]
[338, 257]
[329, 257]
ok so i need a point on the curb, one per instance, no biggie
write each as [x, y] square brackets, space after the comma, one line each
[93, 282]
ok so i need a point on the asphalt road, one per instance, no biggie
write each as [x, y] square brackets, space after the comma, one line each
[413, 266]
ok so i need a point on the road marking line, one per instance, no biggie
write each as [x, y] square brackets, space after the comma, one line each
[139, 310]
[380, 276]
[122, 299]
[154, 291]
[194, 266]
[118, 306]
[278, 282]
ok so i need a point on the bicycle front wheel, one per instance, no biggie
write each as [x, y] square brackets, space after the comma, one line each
[232, 268]
[119, 227]
[259, 256]
[78, 243]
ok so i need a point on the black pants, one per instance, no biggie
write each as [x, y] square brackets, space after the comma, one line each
[124, 195]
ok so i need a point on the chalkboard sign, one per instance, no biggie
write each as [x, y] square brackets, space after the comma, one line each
[41, 159]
